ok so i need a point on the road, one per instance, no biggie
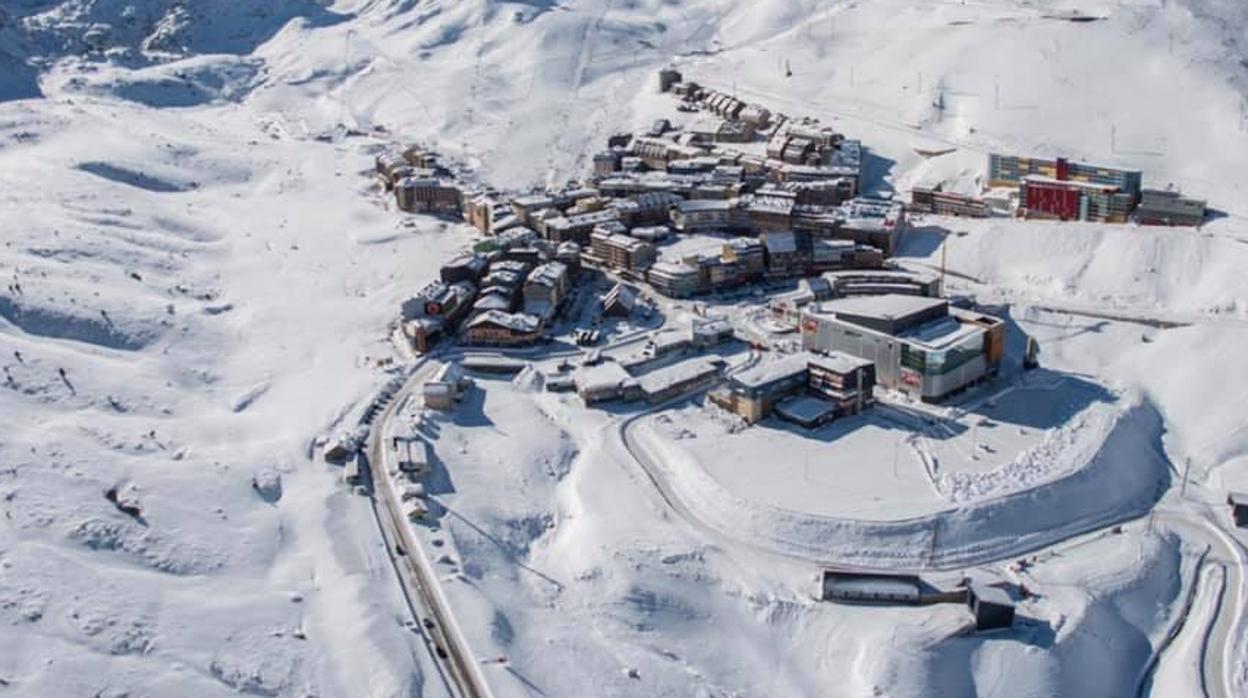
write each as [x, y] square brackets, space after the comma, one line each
[420, 580]
[1195, 522]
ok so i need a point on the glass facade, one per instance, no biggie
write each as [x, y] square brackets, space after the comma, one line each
[940, 362]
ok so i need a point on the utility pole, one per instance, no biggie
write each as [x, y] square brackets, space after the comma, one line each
[1187, 466]
[1113, 138]
[996, 93]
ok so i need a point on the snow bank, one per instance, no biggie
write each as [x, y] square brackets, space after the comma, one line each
[1120, 480]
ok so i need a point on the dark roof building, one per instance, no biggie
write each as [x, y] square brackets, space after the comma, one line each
[992, 606]
[1239, 508]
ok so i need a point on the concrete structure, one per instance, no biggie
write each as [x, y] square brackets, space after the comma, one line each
[606, 162]
[748, 252]
[494, 328]
[933, 200]
[722, 130]
[544, 289]
[444, 390]
[673, 279]
[845, 382]
[873, 589]
[651, 233]
[469, 267]
[646, 208]
[622, 251]
[604, 382]
[710, 332]
[702, 215]
[669, 77]
[668, 382]
[414, 458]
[1239, 508]
[806, 411]
[878, 282]
[992, 607]
[428, 195]
[1160, 207]
[619, 301]
[500, 365]
[876, 222]
[920, 346]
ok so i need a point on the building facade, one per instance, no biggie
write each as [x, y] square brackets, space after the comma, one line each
[920, 346]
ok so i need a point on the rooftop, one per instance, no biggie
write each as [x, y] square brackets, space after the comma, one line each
[548, 274]
[805, 408]
[517, 322]
[672, 269]
[838, 362]
[851, 584]
[992, 594]
[605, 376]
[700, 205]
[940, 334]
[688, 370]
[780, 243]
[888, 307]
[772, 371]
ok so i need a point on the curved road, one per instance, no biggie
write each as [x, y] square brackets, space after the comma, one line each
[1218, 663]
[419, 579]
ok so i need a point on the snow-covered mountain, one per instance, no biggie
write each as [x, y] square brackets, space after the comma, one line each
[198, 278]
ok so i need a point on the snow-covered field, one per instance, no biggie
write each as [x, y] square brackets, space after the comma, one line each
[900, 461]
[198, 279]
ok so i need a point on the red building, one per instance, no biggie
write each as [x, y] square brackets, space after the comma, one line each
[1047, 198]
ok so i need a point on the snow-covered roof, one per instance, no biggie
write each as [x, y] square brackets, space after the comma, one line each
[492, 301]
[805, 408]
[940, 334]
[864, 585]
[771, 371]
[780, 243]
[685, 371]
[607, 375]
[704, 205]
[516, 322]
[887, 307]
[892, 274]
[838, 362]
[991, 594]
[548, 274]
[672, 269]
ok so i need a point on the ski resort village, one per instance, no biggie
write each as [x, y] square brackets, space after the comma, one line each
[494, 349]
[719, 303]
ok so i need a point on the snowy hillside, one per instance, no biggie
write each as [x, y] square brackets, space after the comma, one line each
[199, 277]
